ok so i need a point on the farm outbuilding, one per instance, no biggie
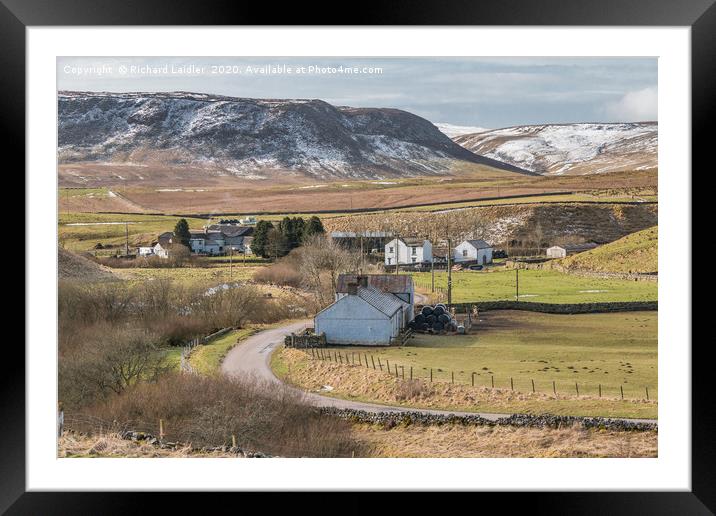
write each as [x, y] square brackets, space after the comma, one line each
[477, 251]
[365, 316]
[400, 285]
[561, 251]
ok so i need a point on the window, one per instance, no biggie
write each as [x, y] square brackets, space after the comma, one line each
[464, 252]
[390, 250]
[413, 260]
[415, 250]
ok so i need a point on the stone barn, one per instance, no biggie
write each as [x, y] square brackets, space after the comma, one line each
[365, 316]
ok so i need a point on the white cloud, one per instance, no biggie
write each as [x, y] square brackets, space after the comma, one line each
[635, 106]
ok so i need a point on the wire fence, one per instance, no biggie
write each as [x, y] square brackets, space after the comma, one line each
[484, 378]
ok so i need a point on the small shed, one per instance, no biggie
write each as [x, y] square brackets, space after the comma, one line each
[477, 251]
[365, 316]
[562, 251]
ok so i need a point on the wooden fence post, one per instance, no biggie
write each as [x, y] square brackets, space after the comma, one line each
[233, 441]
[533, 386]
[411, 373]
[600, 390]
[161, 429]
[380, 364]
[372, 361]
[402, 372]
[647, 393]
[493, 381]
[431, 375]
[554, 387]
[387, 364]
[621, 388]
[472, 377]
[576, 388]
[452, 376]
[365, 355]
[512, 385]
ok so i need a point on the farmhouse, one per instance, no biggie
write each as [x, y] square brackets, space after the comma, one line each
[162, 246]
[477, 251]
[364, 316]
[405, 251]
[400, 286]
[219, 239]
[561, 251]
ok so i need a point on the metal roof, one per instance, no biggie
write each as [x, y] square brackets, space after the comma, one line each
[382, 301]
[479, 244]
[391, 283]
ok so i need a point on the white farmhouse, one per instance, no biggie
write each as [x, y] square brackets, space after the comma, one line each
[405, 251]
[477, 251]
[145, 251]
[365, 316]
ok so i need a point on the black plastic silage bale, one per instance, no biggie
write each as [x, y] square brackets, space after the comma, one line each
[427, 310]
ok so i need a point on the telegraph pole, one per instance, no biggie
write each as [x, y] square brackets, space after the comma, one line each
[449, 274]
[126, 239]
[231, 262]
[397, 253]
[517, 284]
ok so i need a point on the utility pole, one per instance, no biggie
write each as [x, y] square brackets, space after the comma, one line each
[397, 253]
[449, 274]
[231, 262]
[517, 284]
[361, 254]
[432, 270]
[126, 239]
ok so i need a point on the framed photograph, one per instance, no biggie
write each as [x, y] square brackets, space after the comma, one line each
[417, 253]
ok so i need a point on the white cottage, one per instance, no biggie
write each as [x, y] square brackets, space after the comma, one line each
[477, 251]
[406, 251]
[365, 316]
[561, 251]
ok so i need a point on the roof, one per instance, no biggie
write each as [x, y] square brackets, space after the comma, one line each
[413, 242]
[166, 237]
[232, 230]
[208, 235]
[479, 244]
[381, 301]
[391, 283]
[576, 247]
[365, 234]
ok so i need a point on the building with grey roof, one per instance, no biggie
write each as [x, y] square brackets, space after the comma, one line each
[364, 316]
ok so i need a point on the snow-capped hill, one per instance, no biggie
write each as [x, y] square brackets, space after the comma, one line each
[570, 148]
[250, 137]
[458, 130]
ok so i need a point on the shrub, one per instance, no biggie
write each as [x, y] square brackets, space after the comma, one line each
[208, 411]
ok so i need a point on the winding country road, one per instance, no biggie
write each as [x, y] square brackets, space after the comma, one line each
[251, 358]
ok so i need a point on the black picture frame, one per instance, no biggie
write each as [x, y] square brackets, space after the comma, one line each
[700, 15]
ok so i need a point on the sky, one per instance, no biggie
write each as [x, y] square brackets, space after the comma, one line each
[479, 91]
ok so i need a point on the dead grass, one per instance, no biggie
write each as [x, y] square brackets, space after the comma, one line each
[73, 445]
[365, 384]
[484, 441]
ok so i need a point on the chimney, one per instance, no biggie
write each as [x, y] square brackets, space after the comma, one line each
[352, 289]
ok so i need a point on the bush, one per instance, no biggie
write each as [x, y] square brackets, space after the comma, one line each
[208, 411]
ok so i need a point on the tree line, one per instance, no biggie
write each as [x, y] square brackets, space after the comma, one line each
[275, 241]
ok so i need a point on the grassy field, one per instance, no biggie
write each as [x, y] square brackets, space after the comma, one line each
[614, 350]
[207, 358]
[142, 229]
[637, 252]
[544, 286]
